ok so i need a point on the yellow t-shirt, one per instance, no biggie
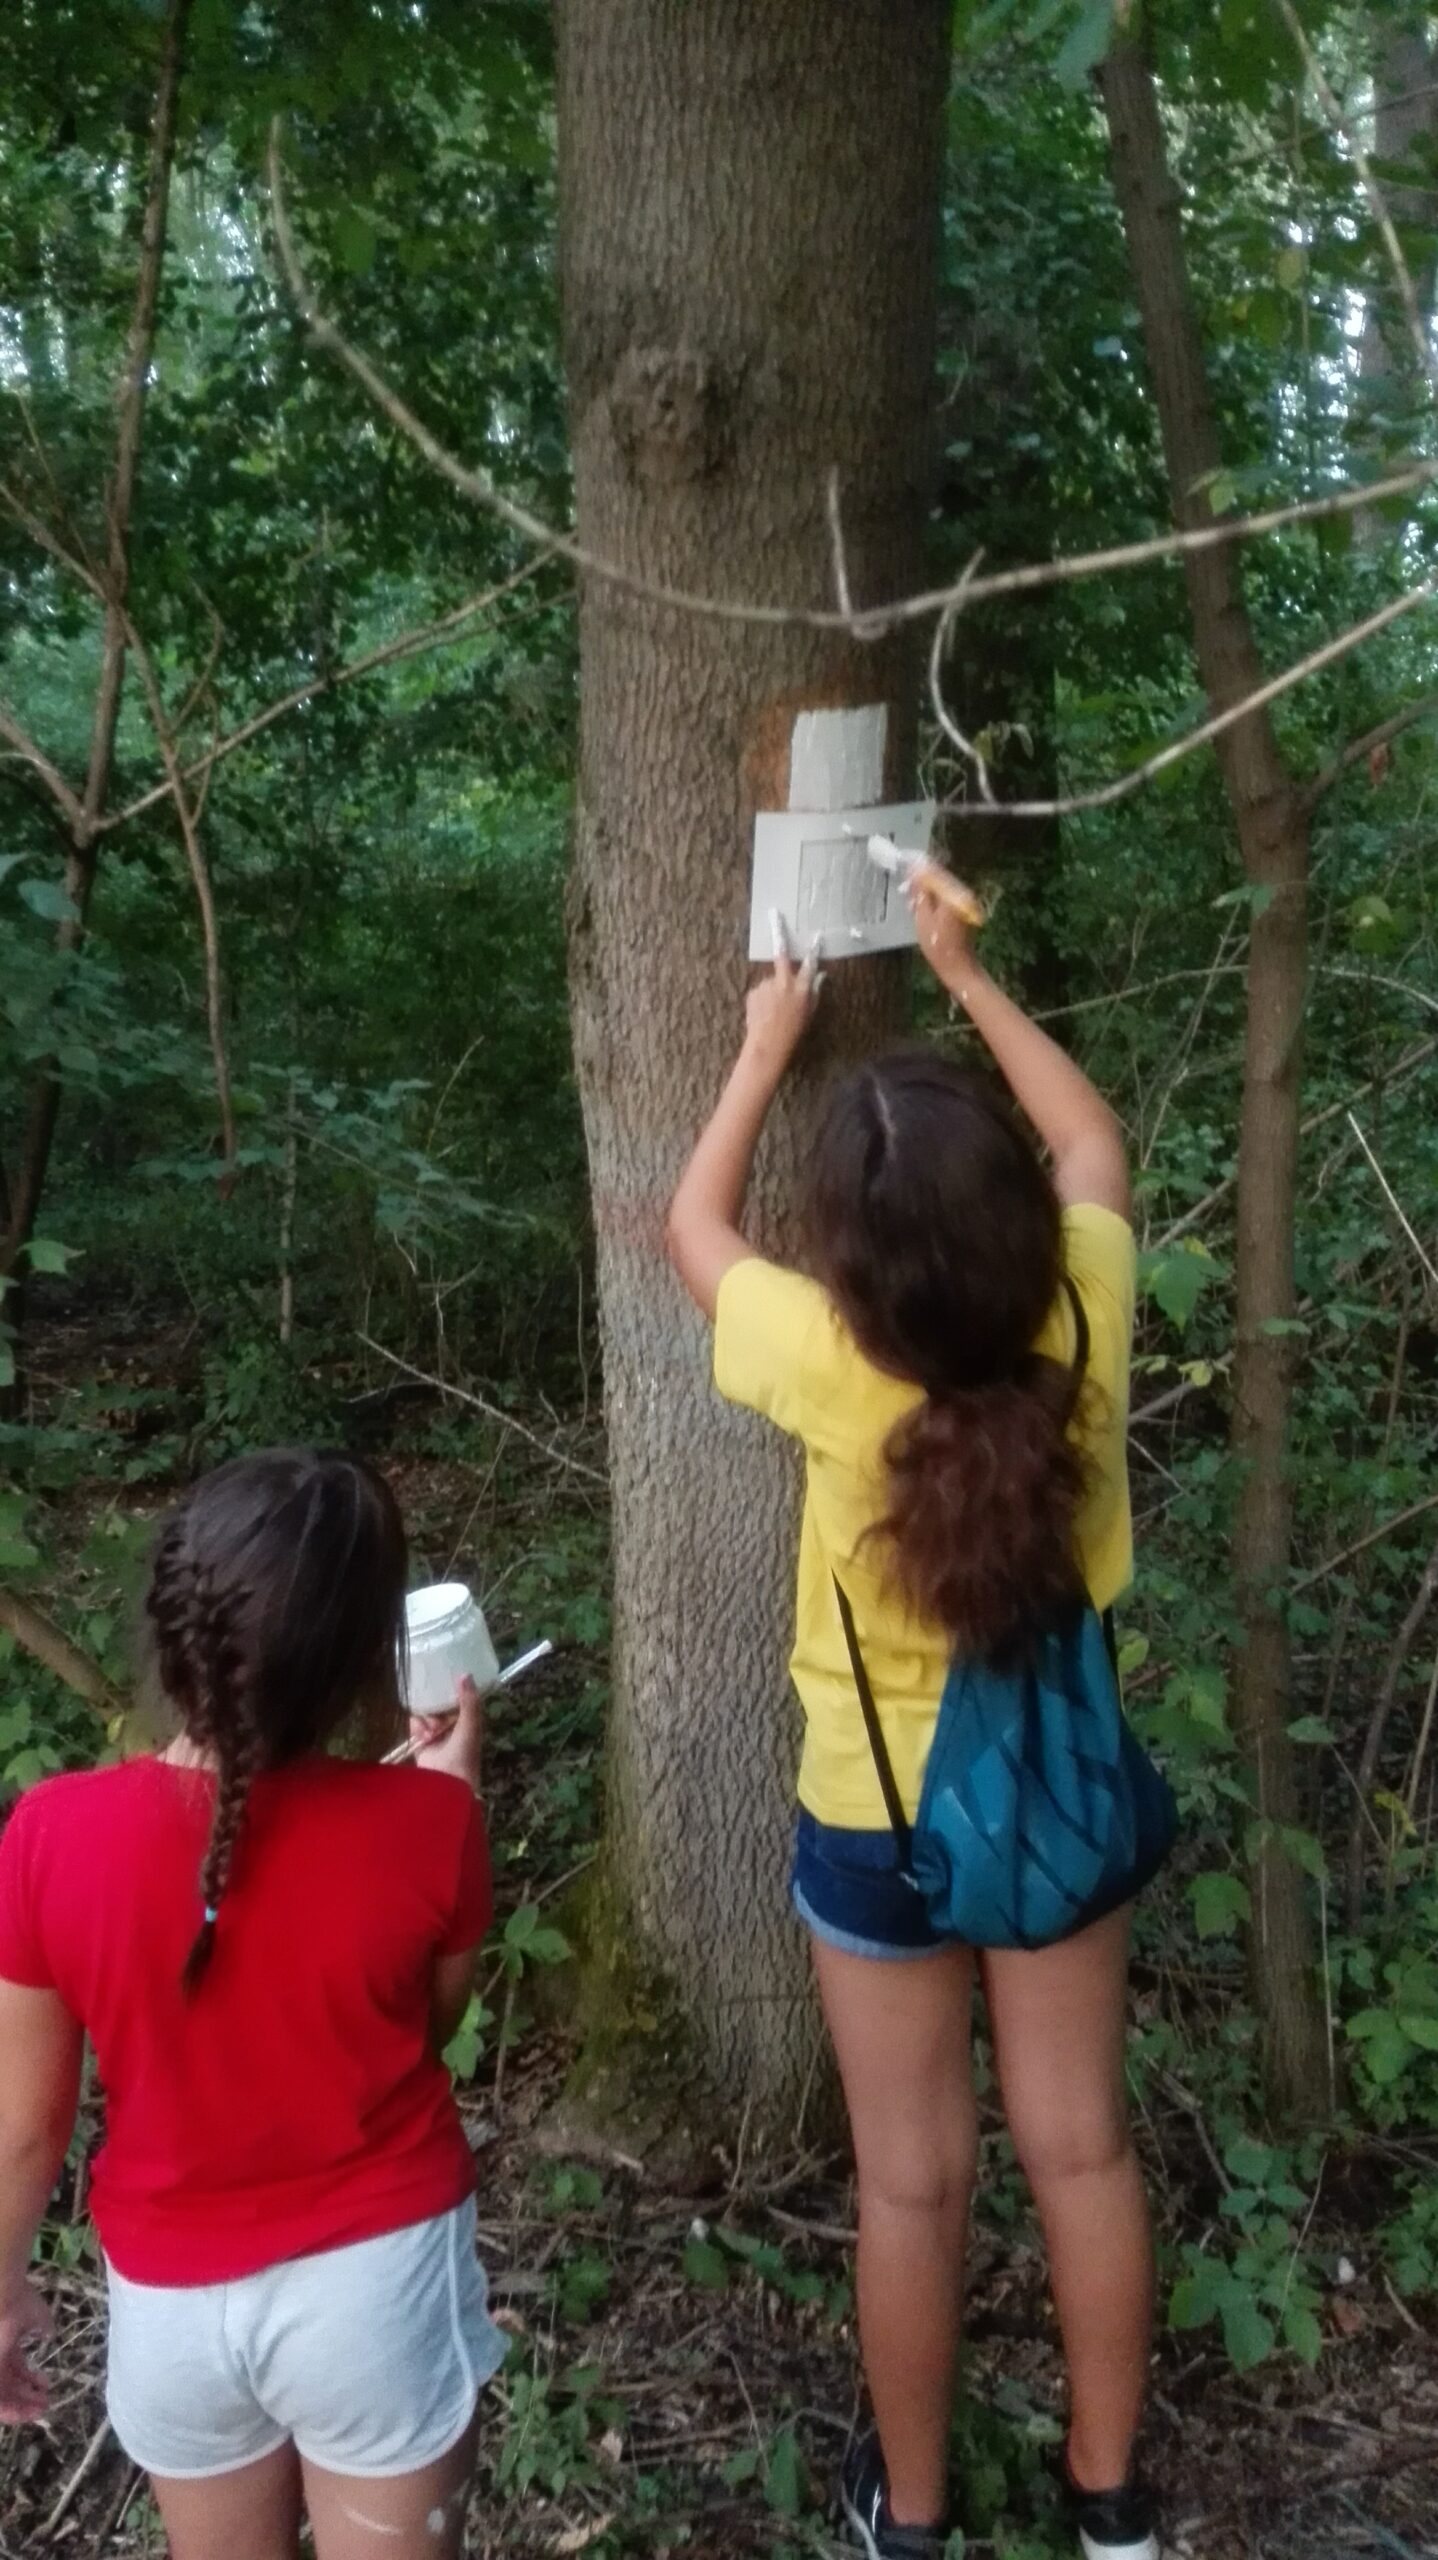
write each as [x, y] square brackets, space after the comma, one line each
[781, 1348]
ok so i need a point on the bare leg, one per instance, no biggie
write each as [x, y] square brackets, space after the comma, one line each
[1058, 2027]
[253, 2514]
[417, 2516]
[901, 2034]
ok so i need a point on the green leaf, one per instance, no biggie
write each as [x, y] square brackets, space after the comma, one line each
[1310, 1729]
[741, 2467]
[1305, 1850]
[706, 2265]
[1176, 1280]
[1219, 1901]
[354, 238]
[48, 1255]
[1387, 2051]
[1248, 2335]
[1196, 2297]
[49, 900]
[1420, 2029]
[1133, 1652]
[1302, 2332]
[784, 2479]
[1084, 48]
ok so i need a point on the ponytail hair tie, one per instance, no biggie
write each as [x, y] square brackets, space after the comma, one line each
[211, 1915]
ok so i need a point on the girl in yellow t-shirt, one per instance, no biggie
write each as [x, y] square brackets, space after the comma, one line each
[927, 1375]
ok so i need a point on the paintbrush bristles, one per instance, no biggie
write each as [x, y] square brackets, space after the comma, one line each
[939, 883]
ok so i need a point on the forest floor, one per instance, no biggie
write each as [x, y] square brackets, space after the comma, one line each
[684, 2374]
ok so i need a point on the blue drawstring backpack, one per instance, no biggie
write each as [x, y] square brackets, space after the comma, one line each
[1040, 1811]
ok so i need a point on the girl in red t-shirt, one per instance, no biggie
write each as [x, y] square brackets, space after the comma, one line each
[268, 1948]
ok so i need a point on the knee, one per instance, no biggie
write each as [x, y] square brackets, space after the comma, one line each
[927, 2177]
[1066, 2144]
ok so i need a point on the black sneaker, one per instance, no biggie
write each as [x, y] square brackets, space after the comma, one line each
[865, 2493]
[1113, 2524]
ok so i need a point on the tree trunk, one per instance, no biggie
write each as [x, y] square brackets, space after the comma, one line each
[749, 218]
[1405, 128]
[1003, 674]
[1271, 824]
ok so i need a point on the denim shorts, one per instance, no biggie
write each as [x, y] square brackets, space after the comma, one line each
[846, 1887]
[368, 2358]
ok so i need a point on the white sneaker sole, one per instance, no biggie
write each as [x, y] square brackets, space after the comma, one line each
[1146, 2550]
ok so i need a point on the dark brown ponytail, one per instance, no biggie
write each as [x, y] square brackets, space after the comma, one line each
[937, 1232]
[276, 1607]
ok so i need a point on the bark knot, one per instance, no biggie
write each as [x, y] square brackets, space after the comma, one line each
[669, 410]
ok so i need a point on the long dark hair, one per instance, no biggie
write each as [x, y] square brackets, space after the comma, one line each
[275, 1610]
[936, 1231]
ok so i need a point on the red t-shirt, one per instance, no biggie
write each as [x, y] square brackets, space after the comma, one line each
[293, 2104]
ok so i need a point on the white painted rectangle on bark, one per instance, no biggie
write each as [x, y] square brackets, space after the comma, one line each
[836, 758]
[812, 868]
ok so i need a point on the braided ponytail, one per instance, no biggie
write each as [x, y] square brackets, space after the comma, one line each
[202, 1666]
[275, 1604]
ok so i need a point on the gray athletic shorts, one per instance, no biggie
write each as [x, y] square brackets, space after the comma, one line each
[369, 2359]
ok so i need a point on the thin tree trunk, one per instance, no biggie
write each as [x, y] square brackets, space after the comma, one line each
[1003, 675]
[1405, 124]
[749, 218]
[1271, 825]
[43, 1108]
[51, 1646]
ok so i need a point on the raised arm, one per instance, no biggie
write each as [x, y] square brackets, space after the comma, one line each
[1082, 1134]
[702, 1230]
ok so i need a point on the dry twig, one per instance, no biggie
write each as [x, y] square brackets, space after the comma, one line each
[492, 1412]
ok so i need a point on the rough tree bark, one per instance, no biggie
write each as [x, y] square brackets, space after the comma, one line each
[749, 215]
[83, 818]
[1270, 818]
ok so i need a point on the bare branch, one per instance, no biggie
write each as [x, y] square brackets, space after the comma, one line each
[430, 635]
[1403, 273]
[45, 1641]
[836, 544]
[491, 1412]
[1104, 795]
[943, 633]
[54, 781]
[1394, 1203]
[1370, 1538]
[1367, 745]
[873, 623]
[1367, 1770]
[199, 873]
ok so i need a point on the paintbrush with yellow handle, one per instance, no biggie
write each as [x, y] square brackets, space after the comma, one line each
[921, 869]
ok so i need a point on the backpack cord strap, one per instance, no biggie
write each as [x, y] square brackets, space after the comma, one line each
[893, 1802]
[1081, 1341]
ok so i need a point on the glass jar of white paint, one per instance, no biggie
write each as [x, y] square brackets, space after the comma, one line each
[446, 1641]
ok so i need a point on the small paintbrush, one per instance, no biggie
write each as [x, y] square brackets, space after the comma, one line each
[939, 883]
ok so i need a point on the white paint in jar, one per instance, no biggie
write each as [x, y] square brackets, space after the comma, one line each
[446, 1641]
